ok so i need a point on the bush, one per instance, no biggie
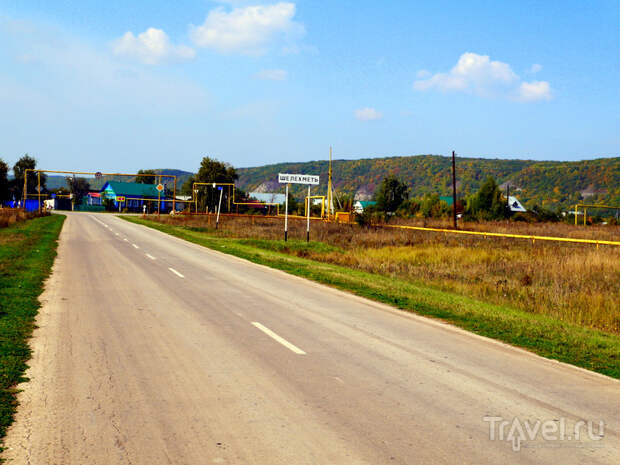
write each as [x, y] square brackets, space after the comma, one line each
[488, 203]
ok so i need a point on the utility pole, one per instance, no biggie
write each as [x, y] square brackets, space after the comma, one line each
[508, 193]
[454, 190]
[330, 200]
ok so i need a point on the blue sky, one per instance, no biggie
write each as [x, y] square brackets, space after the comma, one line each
[116, 85]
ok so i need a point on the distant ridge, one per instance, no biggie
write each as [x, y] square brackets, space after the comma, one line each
[549, 184]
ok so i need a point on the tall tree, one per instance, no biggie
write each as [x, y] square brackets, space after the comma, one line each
[214, 171]
[19, 171]
[146, 179]
[391, 194]
[4, 182]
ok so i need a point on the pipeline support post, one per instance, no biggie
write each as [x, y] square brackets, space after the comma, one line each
[39, 190]
[174, 196]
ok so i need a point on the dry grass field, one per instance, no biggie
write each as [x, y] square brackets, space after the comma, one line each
[574, 283]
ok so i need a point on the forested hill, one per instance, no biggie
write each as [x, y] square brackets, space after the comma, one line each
[548, 184]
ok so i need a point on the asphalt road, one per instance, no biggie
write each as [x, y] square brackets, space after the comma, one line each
[153, 350]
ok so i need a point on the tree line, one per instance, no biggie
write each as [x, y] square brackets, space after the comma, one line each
[392, 199]
[13, 189]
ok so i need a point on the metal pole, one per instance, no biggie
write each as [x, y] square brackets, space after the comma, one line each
[575, 215]
[39, 189]
[25, 191]
[330, 200]
[585, 215]
[308, 218]
[174, 196]
[508, 194]
[286, 214]
[454, 190]
[219, 206]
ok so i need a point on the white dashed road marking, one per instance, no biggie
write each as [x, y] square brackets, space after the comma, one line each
[176, 272]
[281, 340]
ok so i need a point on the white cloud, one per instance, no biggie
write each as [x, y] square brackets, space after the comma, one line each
[248, 30]
[272, 74]
[535, 90]
[151, 47]
[536, 68]
[368, 114]
[473, 73]
[479, 75]
[423, 74]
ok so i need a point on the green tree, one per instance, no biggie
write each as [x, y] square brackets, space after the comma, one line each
[213, 171]
[391, 194]
[107, 202]
[19, 171]
[433, 207]
[293, 205]
[146, 179]
[79, 187]
[488, 203]
[4, 182]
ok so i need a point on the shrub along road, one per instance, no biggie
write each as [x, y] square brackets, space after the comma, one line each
[152, 349]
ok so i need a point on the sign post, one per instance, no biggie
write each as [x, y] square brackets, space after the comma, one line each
[160, 188]
[219, 206]
[286, 178]
[308, 218]
[286, 214]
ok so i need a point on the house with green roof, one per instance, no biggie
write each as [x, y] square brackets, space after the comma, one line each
[361, 205]
[135, 194]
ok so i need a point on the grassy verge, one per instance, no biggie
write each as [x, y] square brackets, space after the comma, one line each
[544, 335]
[27, 252]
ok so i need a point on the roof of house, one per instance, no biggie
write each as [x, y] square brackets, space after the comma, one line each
[131, 189]
[366, 203]
[515, 205]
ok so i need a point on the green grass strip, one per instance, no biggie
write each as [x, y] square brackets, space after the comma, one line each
[27, 252]
[543, 335]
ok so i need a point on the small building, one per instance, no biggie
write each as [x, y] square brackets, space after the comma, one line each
[515, 205]
[362, 205]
